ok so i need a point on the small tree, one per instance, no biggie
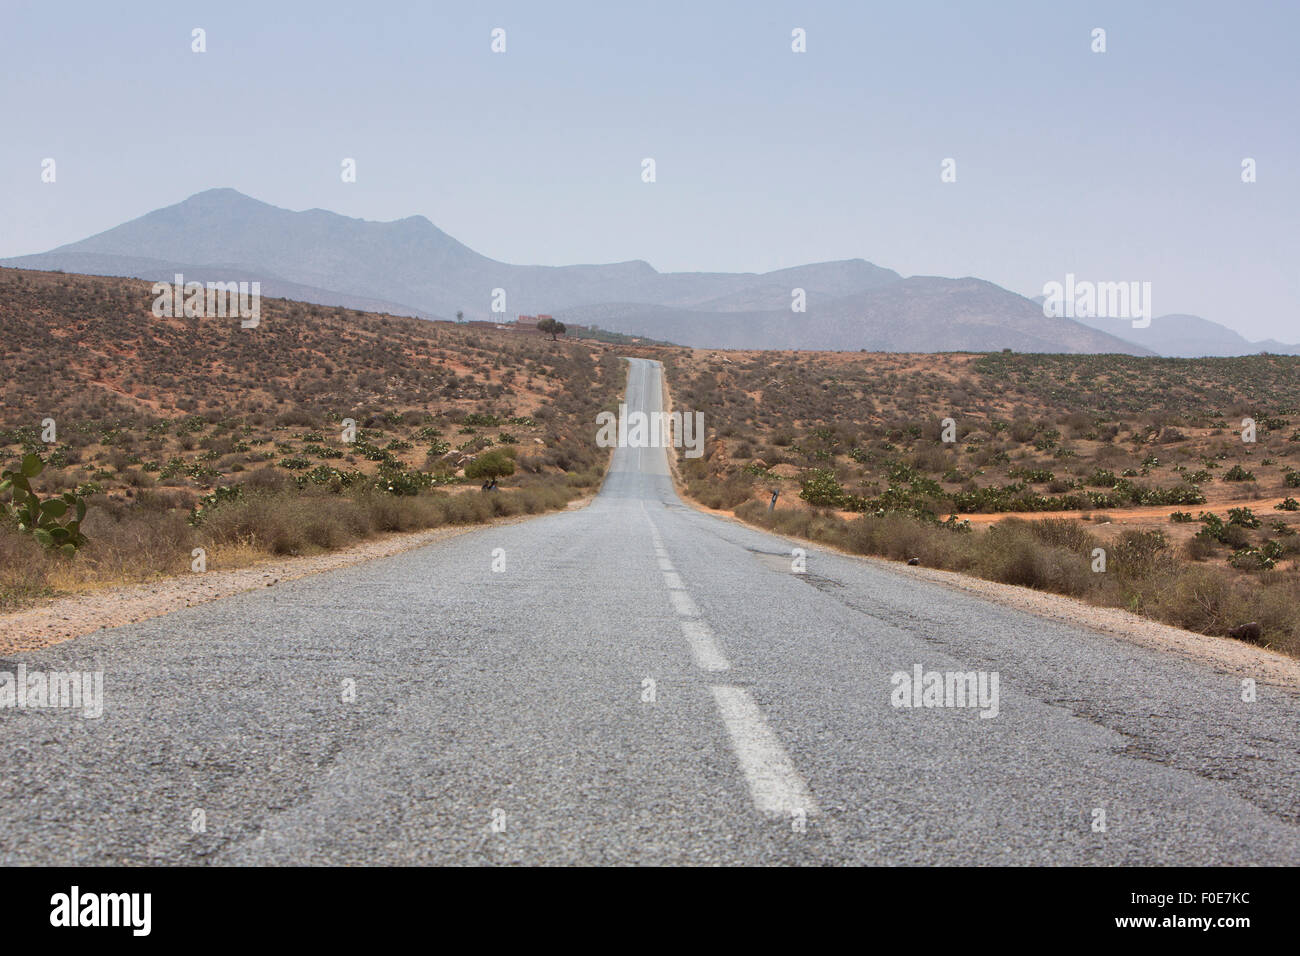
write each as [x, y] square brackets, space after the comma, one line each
[552, 328]
[494, 464]
[460, 316]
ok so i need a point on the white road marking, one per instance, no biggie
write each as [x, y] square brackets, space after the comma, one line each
[703, 647]
[683, 604]
[774, 784]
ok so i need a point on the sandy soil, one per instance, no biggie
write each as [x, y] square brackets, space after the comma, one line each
[1142, 515]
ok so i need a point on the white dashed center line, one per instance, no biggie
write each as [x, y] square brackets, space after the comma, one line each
[683, 604]
[703, 647]
[774, 784]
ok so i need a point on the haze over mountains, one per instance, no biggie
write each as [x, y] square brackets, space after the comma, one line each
[1190, 336]
[411, 267]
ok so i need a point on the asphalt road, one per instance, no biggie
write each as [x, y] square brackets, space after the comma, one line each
[637, 682]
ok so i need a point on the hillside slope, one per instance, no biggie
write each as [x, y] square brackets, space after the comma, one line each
[194, 432]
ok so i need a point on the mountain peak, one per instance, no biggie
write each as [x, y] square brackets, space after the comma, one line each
[222, 194]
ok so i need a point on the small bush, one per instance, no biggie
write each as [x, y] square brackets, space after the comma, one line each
[494, 464]
[820, 487]
[1243, 517]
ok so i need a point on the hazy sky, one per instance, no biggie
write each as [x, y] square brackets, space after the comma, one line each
[1123, 165]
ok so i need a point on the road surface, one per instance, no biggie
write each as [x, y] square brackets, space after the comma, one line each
[637, 682]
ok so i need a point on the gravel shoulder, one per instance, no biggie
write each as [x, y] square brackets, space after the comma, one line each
[66, 617]
[1221, 653]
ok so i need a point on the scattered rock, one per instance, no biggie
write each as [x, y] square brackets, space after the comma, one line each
[716, 456]
[1246, 632]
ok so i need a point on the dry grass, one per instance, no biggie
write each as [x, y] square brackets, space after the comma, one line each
[1143, 573]
[134, 547]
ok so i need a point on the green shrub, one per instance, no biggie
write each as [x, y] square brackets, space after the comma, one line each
[1251, 559]
[819, 487]
[494, 464]
[42, 519]
[1214, 527]
[1035, 476]
[1243, 517]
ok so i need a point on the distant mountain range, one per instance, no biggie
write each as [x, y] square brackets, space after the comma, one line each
[1190, 336]
[410, 267]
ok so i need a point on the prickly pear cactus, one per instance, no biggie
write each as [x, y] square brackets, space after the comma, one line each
[43, 520]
